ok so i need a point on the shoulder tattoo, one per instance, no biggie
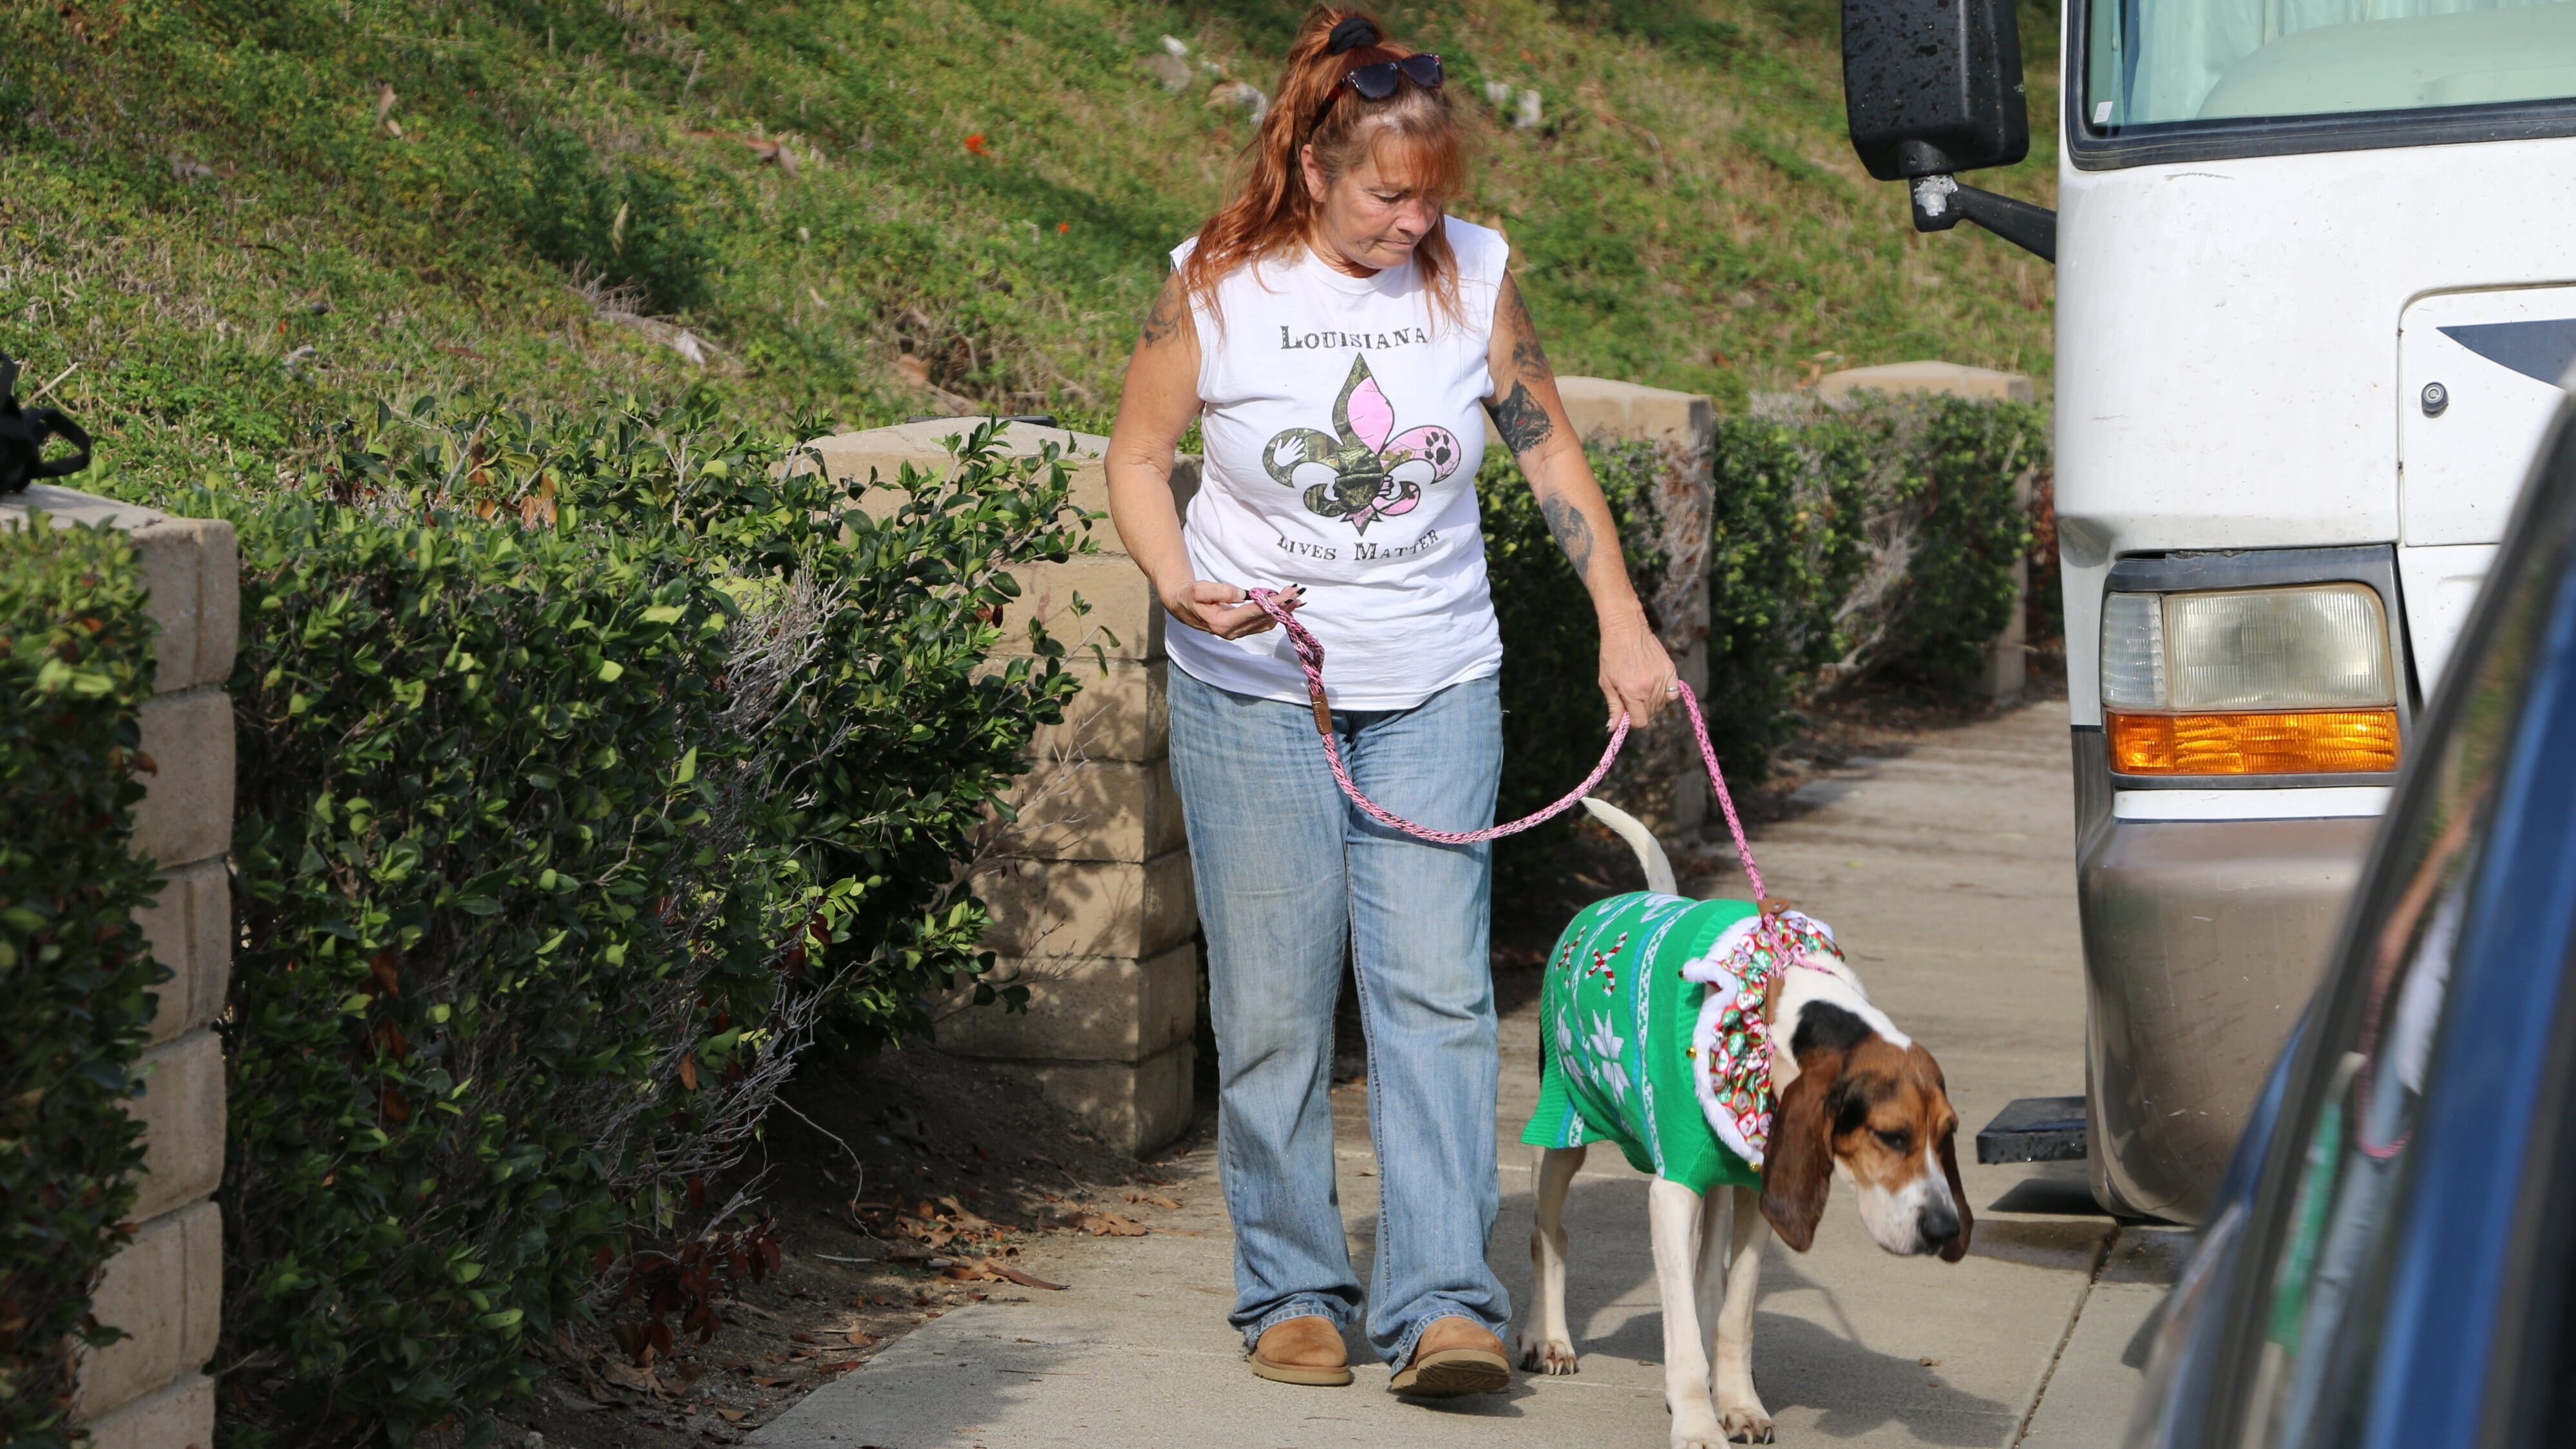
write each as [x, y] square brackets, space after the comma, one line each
[1529, 359]
[1171, 313]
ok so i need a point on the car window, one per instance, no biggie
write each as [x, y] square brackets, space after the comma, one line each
[2380, 1031]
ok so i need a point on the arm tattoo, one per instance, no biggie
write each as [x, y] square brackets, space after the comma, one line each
[1521, 420]
[1171, 312]
[1528, 358]
[1573, 533]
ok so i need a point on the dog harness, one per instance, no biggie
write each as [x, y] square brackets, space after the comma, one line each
[1652, 1034]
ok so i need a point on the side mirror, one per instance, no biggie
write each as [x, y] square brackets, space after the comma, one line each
[1934, 87]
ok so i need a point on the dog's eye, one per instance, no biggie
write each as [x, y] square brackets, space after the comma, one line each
[1896, 1141]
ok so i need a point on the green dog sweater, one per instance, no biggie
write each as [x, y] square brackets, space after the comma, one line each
[1616, 1021]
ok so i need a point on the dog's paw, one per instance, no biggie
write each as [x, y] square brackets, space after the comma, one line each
[1551, 1356]
[1746, 1424]
[1700, 1430]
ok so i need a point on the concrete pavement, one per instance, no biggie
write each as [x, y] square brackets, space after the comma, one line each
[1946, 874]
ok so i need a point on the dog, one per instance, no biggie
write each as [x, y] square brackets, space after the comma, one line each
[1856, 1099]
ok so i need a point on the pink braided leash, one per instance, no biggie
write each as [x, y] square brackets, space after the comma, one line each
[1310, 657]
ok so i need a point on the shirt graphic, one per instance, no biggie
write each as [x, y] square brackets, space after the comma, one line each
[1363, 470]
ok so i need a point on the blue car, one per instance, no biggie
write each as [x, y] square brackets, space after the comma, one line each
[2389, 1261]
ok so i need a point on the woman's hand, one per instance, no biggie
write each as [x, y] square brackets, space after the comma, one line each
[1224, 610]
[1636, 674]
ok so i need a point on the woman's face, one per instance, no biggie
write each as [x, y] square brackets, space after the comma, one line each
[1369, 221]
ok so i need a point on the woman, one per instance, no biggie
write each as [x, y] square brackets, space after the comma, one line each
[1336, 337]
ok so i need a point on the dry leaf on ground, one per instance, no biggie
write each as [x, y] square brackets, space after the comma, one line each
[1112, 1225]
[1155, 1198]
[986, 1269]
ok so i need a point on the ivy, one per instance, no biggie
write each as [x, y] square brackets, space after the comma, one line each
[75, 975]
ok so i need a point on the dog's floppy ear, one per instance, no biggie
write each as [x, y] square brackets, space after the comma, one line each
[1800, 1168]
[1957, 1248]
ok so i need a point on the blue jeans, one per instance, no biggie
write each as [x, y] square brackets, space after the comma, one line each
[1288, 872]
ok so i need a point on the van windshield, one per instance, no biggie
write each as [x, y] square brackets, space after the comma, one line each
[2154, 62]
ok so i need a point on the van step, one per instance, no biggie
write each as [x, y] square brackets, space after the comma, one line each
[2035, 1129]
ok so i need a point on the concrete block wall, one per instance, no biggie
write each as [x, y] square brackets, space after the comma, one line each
[1660, 778]
[2007, 669]
[165, 1289]
[1090, 889]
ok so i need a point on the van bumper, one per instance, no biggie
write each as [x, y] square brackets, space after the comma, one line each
[2202, 943]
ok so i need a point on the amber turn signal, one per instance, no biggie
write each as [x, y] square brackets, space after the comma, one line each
[2293, 742]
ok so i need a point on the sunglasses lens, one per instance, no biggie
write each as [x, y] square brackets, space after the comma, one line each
[1423, 70]
[1376, 82]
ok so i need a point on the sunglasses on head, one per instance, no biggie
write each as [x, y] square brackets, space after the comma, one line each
[1377, 82]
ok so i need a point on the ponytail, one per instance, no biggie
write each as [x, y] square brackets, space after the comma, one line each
[1273, 211]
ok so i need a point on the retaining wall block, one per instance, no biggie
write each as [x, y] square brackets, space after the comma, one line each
[182, 1112]
[1135, 1108]
[1085, 1008]
[1102, 810]
[1121, 714]
[190, 931]
[186, 813]
[1091, 599]
[1046, 908]
[165, 1289]
[179, 1416]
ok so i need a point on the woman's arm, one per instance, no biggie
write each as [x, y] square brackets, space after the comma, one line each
[1636, 674]
[1156, 407]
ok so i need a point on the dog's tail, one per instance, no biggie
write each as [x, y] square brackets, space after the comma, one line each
[1650, 852]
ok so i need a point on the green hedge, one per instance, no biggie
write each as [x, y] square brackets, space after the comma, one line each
[1873, 541]
[75, 974]
[589, 769]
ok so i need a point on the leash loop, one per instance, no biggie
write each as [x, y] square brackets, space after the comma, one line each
[1310, 658]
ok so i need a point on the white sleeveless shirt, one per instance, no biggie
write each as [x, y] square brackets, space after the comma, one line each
[1343, 420]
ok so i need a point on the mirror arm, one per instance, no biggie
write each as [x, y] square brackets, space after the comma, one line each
[1940, 201]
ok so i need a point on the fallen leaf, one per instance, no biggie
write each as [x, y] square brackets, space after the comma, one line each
[1110, 1225]
[734, 1416]
[1155, 1198]
[766, 1382]
[627, 1376]
[840, 1366]
[982, 1269]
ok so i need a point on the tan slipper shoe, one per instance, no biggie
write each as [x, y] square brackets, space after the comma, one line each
[1454, 1356]
[1304, 1350]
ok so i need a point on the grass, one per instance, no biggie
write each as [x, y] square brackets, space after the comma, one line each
[242, 220]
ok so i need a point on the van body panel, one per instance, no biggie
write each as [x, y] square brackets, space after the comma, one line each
[2202, 942]
[2228, 372]
[2478, 384]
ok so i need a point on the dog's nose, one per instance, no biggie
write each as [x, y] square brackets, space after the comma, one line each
[1938, 1225]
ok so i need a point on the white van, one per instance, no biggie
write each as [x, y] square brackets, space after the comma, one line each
[2316, 295]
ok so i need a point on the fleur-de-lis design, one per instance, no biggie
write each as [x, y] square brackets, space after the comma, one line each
[1363, 470]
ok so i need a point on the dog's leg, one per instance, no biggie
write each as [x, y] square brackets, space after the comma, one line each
[1737, 1404]
[1546, 1344]
[1708, 1276]
[1674, 1218]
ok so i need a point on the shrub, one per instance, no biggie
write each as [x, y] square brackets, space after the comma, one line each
[1875, 540]
[1551, 645]
[75, 975]
[586, 764]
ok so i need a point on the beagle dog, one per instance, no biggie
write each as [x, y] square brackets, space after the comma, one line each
[1856, 1099]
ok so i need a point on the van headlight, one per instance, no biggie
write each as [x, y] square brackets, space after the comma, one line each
[2285, 681]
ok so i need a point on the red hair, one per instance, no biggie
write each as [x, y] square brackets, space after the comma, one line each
[1274, 212]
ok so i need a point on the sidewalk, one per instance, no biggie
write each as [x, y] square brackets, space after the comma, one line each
[1945, 874]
